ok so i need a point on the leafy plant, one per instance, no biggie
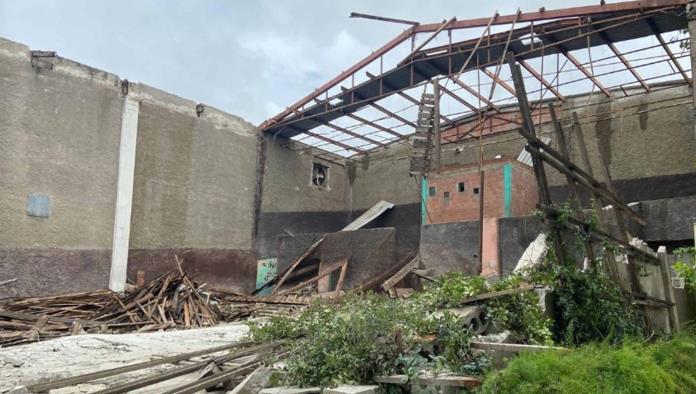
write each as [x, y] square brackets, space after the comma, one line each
[364, 336]
[666, 367]
[686, 266]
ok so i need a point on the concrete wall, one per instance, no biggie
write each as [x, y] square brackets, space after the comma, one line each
[194, 188]
[290, 203]
[385, 176]
[59, 136]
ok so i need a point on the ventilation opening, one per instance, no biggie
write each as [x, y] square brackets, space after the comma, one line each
[432, 191]
[320, 175]
[460, 187]
[447, 195]
[476, 190]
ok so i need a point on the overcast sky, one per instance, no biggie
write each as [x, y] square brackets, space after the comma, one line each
[249, 58]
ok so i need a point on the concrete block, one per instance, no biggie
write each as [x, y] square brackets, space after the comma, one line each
[350, 389]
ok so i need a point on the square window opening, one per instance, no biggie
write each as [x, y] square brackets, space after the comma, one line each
[432, 191]
[476, 190]
[320, 176]
[447, 195]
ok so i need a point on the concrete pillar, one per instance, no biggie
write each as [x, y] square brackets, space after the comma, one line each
[124, 194]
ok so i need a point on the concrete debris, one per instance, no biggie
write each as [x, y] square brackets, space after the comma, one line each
[351, 389]
[533, 255]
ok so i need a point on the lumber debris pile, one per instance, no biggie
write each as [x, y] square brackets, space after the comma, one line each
[239, 307]
[172, 300]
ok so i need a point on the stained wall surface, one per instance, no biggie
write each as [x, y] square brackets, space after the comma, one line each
[194, 189]
[59, 137]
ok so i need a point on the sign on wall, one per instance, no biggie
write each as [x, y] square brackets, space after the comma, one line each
[266, 269]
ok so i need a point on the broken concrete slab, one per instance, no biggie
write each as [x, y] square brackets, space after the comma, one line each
[352, 389]
[533, 255]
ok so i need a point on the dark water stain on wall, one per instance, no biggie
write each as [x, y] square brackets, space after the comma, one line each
[643, 116]
[603, 129]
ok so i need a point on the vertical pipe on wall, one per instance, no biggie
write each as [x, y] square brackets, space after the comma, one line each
[124, 194]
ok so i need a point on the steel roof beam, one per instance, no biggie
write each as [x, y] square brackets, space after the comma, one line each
[499, 81]
[406, 96]
[543, 14]
[669, 52]
[561, 48]
[541, 79]
[329, 140]
[623, 59]
[376, 126]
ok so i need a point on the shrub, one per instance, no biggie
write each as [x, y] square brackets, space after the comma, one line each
[633, 368]
[591, 369]
[365, 336]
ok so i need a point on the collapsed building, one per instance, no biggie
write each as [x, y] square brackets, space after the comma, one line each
[106, 179]
[473, 146]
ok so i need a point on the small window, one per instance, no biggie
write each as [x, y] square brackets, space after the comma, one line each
[460, 186]
[320, 175]
[432, 191]
[476, 190]
[447, 195]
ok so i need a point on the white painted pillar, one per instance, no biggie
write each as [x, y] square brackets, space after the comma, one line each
[124, 194]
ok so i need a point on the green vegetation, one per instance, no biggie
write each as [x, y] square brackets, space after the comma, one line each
[686, 267]
[368, 335]
[665, 367]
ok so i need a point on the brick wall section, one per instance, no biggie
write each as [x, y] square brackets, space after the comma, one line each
[463, 206]
[525, 193]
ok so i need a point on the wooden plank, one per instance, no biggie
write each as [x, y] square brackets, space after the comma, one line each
[32, 317]
[74, 380]
[513, 347]
[494, 294]
[295, 264]
[171, 374]
[341, 279]
[570, 182]
[668, 289]
[324, 274]
[396, 278]
[449, 381]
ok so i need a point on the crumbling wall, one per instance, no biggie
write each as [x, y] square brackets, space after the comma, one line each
[59, 137]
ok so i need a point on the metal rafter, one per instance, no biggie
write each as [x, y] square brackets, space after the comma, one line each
[541, 79]
[669, 51]
[499, 81]
[549, 37]
[555, 35]
[603, 36]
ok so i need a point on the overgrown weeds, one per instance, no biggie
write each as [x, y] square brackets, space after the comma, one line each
[631, 368]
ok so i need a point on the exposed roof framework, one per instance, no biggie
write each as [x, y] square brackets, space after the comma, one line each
[596, 49]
